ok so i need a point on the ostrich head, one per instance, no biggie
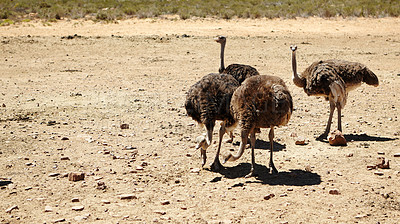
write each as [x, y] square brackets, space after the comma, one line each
[298, 81]
[221, 40]
[202, 145]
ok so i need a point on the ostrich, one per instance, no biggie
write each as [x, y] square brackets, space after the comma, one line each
[208, 100]
[260, 102]
[238, 71]
[332, 79]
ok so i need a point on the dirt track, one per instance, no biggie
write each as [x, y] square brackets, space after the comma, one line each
[136, 72]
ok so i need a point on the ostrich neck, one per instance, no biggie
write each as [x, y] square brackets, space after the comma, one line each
[222, 66]
[296, 79]
[294, 64]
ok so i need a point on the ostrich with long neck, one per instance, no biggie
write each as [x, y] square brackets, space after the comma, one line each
[239, 71]
[332, 79]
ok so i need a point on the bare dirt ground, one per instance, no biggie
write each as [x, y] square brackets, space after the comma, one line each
[63, 99]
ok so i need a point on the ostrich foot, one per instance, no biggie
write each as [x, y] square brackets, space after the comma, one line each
[272, 169]
[322, 137]
[216, 165]
[251, 174]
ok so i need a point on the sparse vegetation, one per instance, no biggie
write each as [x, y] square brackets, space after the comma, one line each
[109, 10]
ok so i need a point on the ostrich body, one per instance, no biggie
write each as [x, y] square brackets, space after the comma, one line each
[260, 102]
[208, 100]
[238, 71]
[332, 79]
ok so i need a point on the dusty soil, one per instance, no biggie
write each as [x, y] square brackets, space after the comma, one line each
[64, 97]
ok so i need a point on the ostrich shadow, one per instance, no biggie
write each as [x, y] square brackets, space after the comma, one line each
[289, 178]
[261, 144]
[361, 138]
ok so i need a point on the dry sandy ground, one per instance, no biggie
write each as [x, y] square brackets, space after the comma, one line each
[62, 102]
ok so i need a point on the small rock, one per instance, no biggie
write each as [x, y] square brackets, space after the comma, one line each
[78, 208]
[360, 216]
[64, 138]
[195, 170]
[53, 174]
[379, 173]
[381, 153]
[3, 105]
[76, 176]
[11, 208]
[160, 212]
[397, 155]
[48, 209]
[124, 126]
[139, 168]
[269, 196]
[101, 185]
[65, 158]
[350, 155]
[106, 202]
[300, 141]
[336, 138]
[165, 202]
[127, 196]
[75, 199]
[80, 218]
[59, 220]
[308, 168]
[334, 192]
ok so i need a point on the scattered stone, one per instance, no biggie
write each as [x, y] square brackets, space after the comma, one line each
[360, 216]
[350, 155]
[336, 138]
[300, 141]
[106, 202]
[124, 126]
[101, 185]
[65, 158]
[379, 173]
[75, 199]
[127, 196]
[54, 174]
[371, 167]
[64, 138]
[165, 202]
[269, 196]
[59, 220]
[381, 153]
[80, 218]
[334, 192]
[48, 209]
[382, 164]
[76, 176]
[50, 123]
[3, 105]
[195, 170]
[160, 212]
[11, 208]
[139, 168]
[308, 168]
[78, 208]
[397, 155]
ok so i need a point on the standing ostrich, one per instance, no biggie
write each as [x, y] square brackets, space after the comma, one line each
[332, 79]
[238, 71]
[208, 100]
[260, 102]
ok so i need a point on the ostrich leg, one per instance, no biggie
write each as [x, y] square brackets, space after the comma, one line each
[328, 125]
[216, 165]
[271, 142]
[339, 112]
[253, 160]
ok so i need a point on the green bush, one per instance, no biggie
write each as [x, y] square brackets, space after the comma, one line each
[119, 9]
